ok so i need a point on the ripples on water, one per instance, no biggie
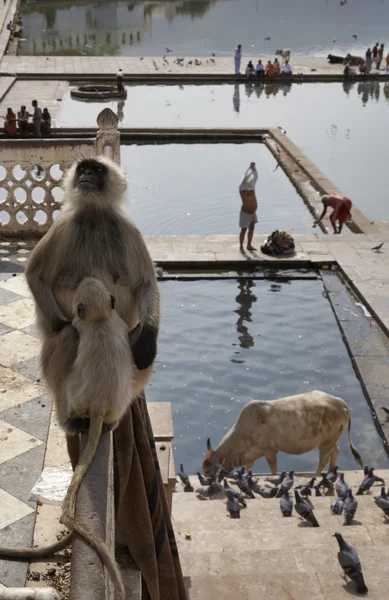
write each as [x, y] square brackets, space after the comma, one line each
[198, 27]
[223, 343]
[193, 189]
[340, 127]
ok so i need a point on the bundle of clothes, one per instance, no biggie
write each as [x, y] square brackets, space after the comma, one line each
[279, 243]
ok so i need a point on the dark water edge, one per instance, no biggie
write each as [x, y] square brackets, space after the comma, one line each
[223, 343]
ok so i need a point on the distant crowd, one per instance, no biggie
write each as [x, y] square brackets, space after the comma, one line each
[270, 70]
[373, 58]
[15, 27]
[20, 124]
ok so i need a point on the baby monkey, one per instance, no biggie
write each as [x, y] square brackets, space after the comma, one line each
[99, 387]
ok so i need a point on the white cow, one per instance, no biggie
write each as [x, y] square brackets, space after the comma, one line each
[294, 425]
[284, 53]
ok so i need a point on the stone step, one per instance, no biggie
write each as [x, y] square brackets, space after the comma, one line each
[263, 555]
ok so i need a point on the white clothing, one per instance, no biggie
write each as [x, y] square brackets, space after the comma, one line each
[249, 71]
[249, 180]
[246, 219]
[286, 69]
[238, 54]
[119, 74]
[259, 68]
[237, 59]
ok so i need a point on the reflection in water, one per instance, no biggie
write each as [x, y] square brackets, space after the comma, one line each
[245, 299]
[198, 27]
[370, 90]
[236, 98]
[120, 111]
[296, 349]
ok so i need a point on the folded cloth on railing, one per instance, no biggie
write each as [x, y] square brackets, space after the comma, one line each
[142, 511]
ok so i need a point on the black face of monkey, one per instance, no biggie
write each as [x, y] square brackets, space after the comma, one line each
[90, 176]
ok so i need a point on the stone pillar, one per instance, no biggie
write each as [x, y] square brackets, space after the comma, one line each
[108, 136]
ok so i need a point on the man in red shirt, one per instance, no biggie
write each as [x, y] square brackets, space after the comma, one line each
[341, 210]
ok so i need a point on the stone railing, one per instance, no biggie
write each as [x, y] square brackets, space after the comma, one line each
[31, 171]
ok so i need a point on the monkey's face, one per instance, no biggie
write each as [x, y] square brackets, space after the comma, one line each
[91, 176]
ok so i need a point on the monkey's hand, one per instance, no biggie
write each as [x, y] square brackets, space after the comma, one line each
[57, 324]
[143, 343]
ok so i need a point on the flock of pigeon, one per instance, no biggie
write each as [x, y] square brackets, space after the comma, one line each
[217, 487]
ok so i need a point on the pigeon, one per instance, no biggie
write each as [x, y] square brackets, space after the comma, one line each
[354, 35]
[337, 507]
[184, 479]
[383, 501]
[288, 481]
[349, 561]
[197, 62]
[233, 505]
[326, 483]
[267, 39]
[243, 486]
[341, 487]
[378, 248]
[268, 492]
[333, 474]
[366, 483]
[203, 480]
[276, 480]
[282, 130]
[252, 482]
[155, 65]
[306, 488]
[365, 470]
[213, 54]
[386, 410]
[304, 509]
[286, 504]
[227, 489]
[220, 475]
[168, 50]
[350, 508]
[213, 490]
[317, 491]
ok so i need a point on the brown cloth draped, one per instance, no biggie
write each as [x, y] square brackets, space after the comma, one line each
[142, 510]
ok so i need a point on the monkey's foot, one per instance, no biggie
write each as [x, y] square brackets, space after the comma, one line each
[76, 425]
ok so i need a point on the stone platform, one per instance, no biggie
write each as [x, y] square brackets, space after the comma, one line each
[154, 66]
[263, 556]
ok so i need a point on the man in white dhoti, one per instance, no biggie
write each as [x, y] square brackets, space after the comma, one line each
[248, 213]
[238, 58]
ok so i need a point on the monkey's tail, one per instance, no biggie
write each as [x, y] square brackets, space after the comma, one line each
[353, 449]
[69, 506]
[37, 553]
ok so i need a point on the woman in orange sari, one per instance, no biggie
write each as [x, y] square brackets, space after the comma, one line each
[10, 123]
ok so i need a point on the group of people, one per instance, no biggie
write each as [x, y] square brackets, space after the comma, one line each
[340, 205]
[373, 58]
[15, 27]
[39, 126]
[270, 70]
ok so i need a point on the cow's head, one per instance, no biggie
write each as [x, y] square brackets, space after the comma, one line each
[209, 458]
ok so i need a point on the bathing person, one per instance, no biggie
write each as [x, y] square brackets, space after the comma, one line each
[375, 54]
[249, 69]
[286, 69]
[368, 60]
[46, 122]
[23, 117]
[37, 119]
[119, 81]
[248, 212]
[341, 210]
[10, 123]
[380, 56]
[259, 69]
[238, 58]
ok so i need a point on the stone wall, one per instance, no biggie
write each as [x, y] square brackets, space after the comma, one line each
[31, 171]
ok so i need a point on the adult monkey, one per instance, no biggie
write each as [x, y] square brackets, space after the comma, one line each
[93, 237]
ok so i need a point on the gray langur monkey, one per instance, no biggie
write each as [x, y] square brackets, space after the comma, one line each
[92, 237]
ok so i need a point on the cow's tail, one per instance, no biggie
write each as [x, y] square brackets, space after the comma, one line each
[353, 449]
